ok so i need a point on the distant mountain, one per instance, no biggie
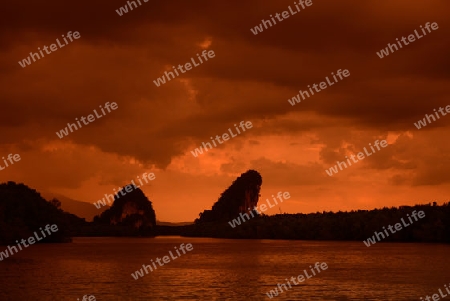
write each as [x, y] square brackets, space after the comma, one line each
[81, 209]
[88, 211]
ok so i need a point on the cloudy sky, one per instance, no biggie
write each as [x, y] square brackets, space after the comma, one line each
[250, 78]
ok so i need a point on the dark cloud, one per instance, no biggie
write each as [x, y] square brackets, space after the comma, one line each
[250, 78]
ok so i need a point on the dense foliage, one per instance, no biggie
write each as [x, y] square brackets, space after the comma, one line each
[354, 225]
[23, 211]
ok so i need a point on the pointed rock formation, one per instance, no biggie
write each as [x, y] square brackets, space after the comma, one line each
[241, 197]
[130, 209]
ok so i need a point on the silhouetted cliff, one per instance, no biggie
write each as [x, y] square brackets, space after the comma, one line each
[131, 214]
[238, 198]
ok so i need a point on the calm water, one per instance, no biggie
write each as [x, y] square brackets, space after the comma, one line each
[219, 269]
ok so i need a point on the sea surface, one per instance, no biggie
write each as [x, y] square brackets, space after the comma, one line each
[222, 269]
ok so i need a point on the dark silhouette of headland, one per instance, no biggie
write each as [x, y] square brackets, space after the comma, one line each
[23, 211]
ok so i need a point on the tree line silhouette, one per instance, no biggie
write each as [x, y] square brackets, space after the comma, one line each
[353, 225]
[23, 211]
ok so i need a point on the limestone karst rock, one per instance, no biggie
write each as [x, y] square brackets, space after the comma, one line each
[131, 209]
[241, 195]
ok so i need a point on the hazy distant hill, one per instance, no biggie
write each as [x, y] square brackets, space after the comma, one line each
[80, 209]
[88, 210]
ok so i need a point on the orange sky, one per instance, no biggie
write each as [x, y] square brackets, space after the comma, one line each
[250, 78]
